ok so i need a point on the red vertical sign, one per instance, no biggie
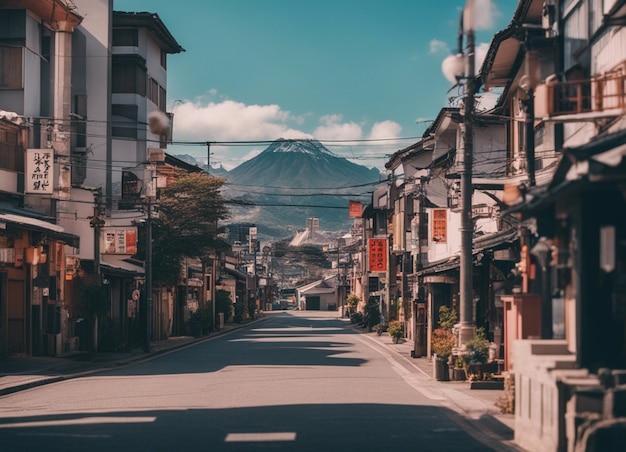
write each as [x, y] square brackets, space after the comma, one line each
[355, 209]
[377, 250]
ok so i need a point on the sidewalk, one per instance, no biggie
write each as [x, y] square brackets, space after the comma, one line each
[476, 406]
[18, 373]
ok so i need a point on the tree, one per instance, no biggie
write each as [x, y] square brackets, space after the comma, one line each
[189, 210]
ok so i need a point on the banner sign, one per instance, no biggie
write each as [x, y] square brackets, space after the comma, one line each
[119, 240]
[377, 252]
[355, 209]
[39, 171]
[440, 225]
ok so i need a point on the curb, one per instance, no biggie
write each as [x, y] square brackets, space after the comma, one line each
[122, 362]
[487, 435]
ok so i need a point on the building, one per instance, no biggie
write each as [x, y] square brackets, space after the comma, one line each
[35, 126]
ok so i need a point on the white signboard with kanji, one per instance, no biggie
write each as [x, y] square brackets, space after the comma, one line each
[39, 171]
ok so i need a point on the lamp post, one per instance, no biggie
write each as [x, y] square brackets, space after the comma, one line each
[466, 72]
[542, 252]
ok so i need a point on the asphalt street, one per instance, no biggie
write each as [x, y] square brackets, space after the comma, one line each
[302, 381]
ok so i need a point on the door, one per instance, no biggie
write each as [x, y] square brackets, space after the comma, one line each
[15, 316]
[312, 303]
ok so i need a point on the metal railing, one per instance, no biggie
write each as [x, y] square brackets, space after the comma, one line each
[602, 93]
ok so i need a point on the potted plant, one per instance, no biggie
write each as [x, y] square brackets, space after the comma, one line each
[395, 330]
[457, 372]
[379, 328]
[352, 302]
[477, 354]
[442, 342]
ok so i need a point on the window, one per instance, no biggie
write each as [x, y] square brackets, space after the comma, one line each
[162, 98]
[129, 74]
[11, 66]
[575, 35]
[163, 59]
[10, 156]
[126, 37]
[153, 90]
[124, 120]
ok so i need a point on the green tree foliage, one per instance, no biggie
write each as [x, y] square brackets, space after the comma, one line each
[189, 209]
[447, 317]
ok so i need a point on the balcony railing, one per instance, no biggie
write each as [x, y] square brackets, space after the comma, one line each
[606, 93]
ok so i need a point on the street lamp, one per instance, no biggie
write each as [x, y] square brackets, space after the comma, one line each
[466, 72]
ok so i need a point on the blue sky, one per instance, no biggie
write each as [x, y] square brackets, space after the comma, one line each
[334, 70]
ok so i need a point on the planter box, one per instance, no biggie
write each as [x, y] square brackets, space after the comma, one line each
[489, 384]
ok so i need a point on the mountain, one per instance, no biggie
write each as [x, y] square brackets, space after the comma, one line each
[221, 171]
[293, 180]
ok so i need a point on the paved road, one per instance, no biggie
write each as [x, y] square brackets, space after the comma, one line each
[296, 381]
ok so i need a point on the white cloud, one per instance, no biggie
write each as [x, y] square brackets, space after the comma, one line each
[332, 127]
[232, 121]
[480, 53]
[435, 46]
[385, 130]
[227, 120]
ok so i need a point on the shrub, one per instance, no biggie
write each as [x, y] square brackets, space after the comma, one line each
[356, 317]
[447, 318]
[395, 329]
[477, 348]
[224, 304]
[442, 342]
[353, 301]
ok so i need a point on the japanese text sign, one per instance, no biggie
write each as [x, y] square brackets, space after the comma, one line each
[377, 251]
[39, 171]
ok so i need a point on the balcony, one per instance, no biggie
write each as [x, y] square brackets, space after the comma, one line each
[600, 96]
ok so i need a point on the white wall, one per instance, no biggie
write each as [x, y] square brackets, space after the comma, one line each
[452, 245]
[74, 218]
[96, 27]
[32, 67]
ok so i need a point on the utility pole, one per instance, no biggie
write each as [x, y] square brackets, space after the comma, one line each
[150, 192]
[466, 326]
[148, 270]
[208, 158]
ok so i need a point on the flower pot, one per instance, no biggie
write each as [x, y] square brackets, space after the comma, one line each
[457, 374]
[440, 370]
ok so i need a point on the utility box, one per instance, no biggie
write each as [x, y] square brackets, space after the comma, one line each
[220, 323]
[522, 320]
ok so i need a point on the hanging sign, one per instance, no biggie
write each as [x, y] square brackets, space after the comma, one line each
[440, 225]
[377, 251]
[119, 241]
[355, 209]
[39, 171]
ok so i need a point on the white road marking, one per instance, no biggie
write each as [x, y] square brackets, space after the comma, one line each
[81, 421]
[259, 437]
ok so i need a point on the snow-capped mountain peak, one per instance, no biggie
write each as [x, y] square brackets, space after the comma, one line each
[312, 147]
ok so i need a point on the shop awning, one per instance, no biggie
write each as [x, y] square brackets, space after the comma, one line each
[50, 230]
[484, 243]
[119, 265]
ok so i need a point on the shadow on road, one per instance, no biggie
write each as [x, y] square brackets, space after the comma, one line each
[323, 427]
[282, 340]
